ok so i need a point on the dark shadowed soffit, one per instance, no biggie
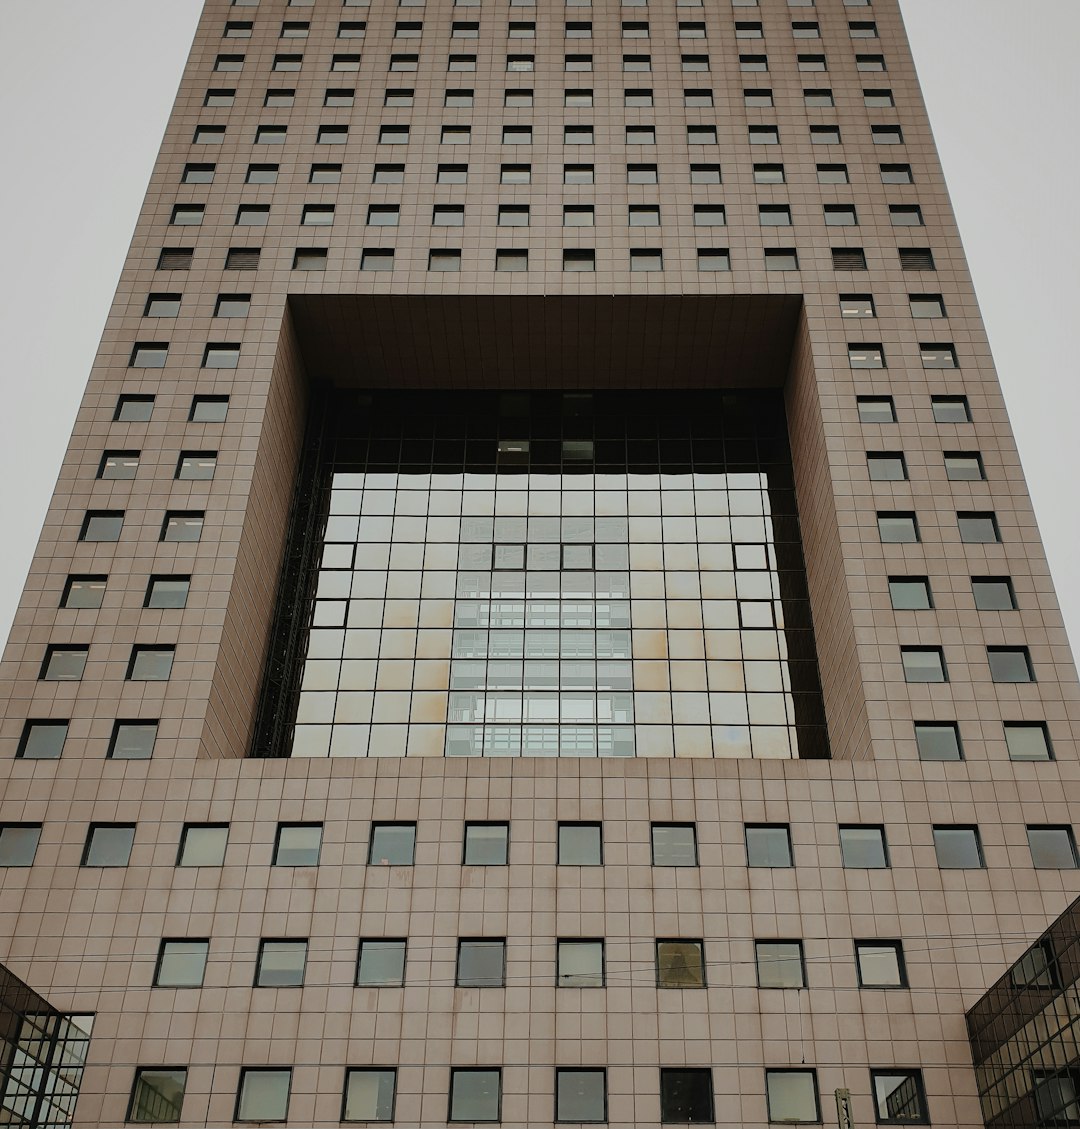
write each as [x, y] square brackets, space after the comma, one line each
[533, 341]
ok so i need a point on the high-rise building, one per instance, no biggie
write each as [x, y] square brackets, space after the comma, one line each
[541, 618]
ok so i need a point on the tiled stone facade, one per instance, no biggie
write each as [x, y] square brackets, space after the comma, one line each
[88, 938]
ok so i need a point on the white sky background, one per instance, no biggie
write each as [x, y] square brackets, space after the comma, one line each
[86, 89]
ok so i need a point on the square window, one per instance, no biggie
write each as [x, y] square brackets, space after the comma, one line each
[580, 1095]
[64, 664]
[481, 963]
[686, 1096]
[181, 964]
[263, 1094]
[182, 526]
[580, 964]
[866, 356]
[880, 964]
[958, 848]
[680, 964]
[298, 844]
[392, 844]
[769, 845]
[133, 740]
[674, 844]
[281, 964]
[886, 466]
[938, 741]
[133, 409]
[486, 844]
[1010, 664]
[1028, 741]
[475, 1095]
[898, 1097]
[780, 964]
[863, 847]
[18, 843]
[108, 844]
[781, 258]
[580, 844]
[993, 593]
[118, 465]
[42, 740]
[381, 963]
[924, 664]
[369, 1094]
[713, 259]
[511, 259]
[872, 409]
[221, 356]
[910, 593]
[150, 663]
[792, 1095]
[579, 259]
[1052, 848]
[209, 409]
[978, 528]
[157, 1094]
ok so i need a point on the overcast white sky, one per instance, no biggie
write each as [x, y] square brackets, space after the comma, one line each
[85, 91]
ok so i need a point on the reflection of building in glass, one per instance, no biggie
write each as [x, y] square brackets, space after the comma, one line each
[1025, 1034]
[556, 575]
[42, 1054]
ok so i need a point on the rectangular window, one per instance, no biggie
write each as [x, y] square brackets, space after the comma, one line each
[281, 964]
[978, 528]
[781, 258]
[369, 1094]
[381, 963]
[863, 847]
[924, 664]
[764, 174]
[880, 964]
[938, 356]
[395, 174]
[486, 844]
[209, 409]
[993, 593]
[298, 844]
[133, 409]
[579, 259]
[714, 259]
[580, 844]
[481, 963]
[674, 844]
[886, 466]
[157, 1094]
[866, 356]
[832, 174]
[899, 1098]
[1028, 741]
[938, 741]
[84, 592]
[1052, 848]
[149, 354]
[203, 844]
[768, 845]
[680, 964]
[132, 740]
[376, 259]
[150, 663]
[896, 174]
[118, 465]
[848, 258]
[875, 409]
[951, 409]
[580, 964]
[444, 261]
[475, 1095]
[64, 663]
[242, 258]
[910, 593]
[196, 465]
[392, 844]
[958, 848]
[1010, 664]
[181, 963]
[780, 964]
[686, 1096]
[42, 740]
[108, 844]
[182, 526]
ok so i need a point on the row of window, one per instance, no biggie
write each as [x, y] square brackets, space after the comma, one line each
[532, 3]
[526, 64]
[518, 215]
[572, 29]
[134, 739]
[152, 354]
[705, 173]
[580, 962]
[580, 1094]
[862, 846]
[343, 97]
[398, 134]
